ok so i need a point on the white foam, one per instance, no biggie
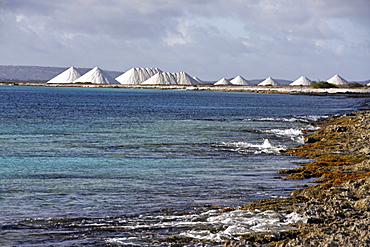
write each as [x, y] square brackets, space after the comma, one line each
[294, 134]
[241, 222]
[231, 224]
[265, 147]
[270, 119]
[280, 119]
[305, 119]
[266, 144]
[124, 241]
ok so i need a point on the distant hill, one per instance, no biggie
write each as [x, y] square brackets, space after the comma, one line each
[364, 82]
[38, 73]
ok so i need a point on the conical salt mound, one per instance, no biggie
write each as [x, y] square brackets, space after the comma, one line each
[136, 76]
[301, 81]
[67, 76]
[239, 81]
[198, 80]
[96, 76]
[184, 79]
[268, 82]
[161, 78]
[337, 80]
[223, 81]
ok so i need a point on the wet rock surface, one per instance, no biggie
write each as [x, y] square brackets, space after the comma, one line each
[338, 207]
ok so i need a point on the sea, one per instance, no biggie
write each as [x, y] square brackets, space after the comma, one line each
[140, 167]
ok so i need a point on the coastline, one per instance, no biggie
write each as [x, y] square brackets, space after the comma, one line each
[286, 89]
[338, 205]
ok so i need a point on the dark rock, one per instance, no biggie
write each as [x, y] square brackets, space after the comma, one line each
[312, 139]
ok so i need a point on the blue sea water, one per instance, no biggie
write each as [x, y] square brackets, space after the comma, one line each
[87, 166]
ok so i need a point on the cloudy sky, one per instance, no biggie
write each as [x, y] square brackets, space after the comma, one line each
[210, 39]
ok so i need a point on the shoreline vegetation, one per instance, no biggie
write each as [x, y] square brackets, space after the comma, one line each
[337, 204]
[283, 89]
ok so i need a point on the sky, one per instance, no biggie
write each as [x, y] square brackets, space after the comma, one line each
[210, 39]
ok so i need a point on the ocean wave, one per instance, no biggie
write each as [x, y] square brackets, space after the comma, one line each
[294, 134]
[241, 222]
[246, 147]
[271, 119]
[231, 224]
[303, 119]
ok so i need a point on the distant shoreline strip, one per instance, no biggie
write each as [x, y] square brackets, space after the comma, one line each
[226, 88]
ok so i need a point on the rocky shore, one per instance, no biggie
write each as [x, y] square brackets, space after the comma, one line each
[338, 205]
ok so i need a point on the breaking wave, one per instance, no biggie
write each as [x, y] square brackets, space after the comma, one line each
[303, 119]
[216, 227]
[294, 134]
[246, 147]
[241, 222]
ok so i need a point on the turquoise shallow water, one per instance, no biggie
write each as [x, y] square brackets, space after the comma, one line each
[102, 155]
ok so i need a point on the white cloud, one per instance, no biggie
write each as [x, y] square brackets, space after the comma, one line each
[180, 36]
[208, 38]
[19, 18]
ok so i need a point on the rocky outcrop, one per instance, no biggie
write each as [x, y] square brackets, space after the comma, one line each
[340, 218]
[338, 207]
[341, 152]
